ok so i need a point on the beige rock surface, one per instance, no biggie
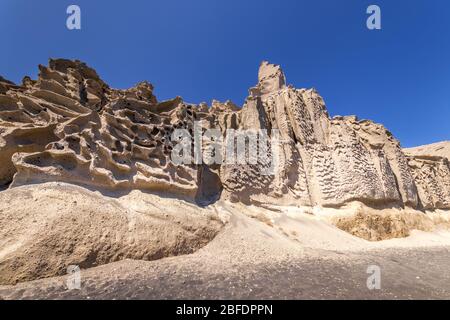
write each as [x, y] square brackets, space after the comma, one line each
[323, 161]
[439, 149]
[431, 170]
[47, 227]
[68, 132]
[70, 126]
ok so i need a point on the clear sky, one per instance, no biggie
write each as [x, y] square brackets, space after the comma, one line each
[211, 49]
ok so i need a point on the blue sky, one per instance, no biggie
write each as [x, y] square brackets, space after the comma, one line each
[210, 49]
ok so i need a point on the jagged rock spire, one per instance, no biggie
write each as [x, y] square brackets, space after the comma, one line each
[270, 78]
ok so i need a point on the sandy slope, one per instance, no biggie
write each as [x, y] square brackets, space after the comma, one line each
[46, 228]
[441, 149]
[250, 258]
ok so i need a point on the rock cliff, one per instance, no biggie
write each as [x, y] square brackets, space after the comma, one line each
[70, 126]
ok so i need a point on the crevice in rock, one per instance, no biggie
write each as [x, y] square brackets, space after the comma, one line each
[5, 186]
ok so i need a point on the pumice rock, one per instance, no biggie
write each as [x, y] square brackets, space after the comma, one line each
[82, 131]
[70, 126]
[430, 168]
[90, 177]
[323, 161]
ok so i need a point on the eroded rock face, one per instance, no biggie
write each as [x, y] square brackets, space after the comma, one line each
[322, 161]
[431, 170]
[71, 126]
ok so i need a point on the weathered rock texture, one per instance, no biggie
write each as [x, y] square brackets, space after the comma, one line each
[71, 126]
[439, 149]
[329, 161]
[431, 171]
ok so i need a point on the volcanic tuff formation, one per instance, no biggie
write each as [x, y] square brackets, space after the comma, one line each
[69, 125]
